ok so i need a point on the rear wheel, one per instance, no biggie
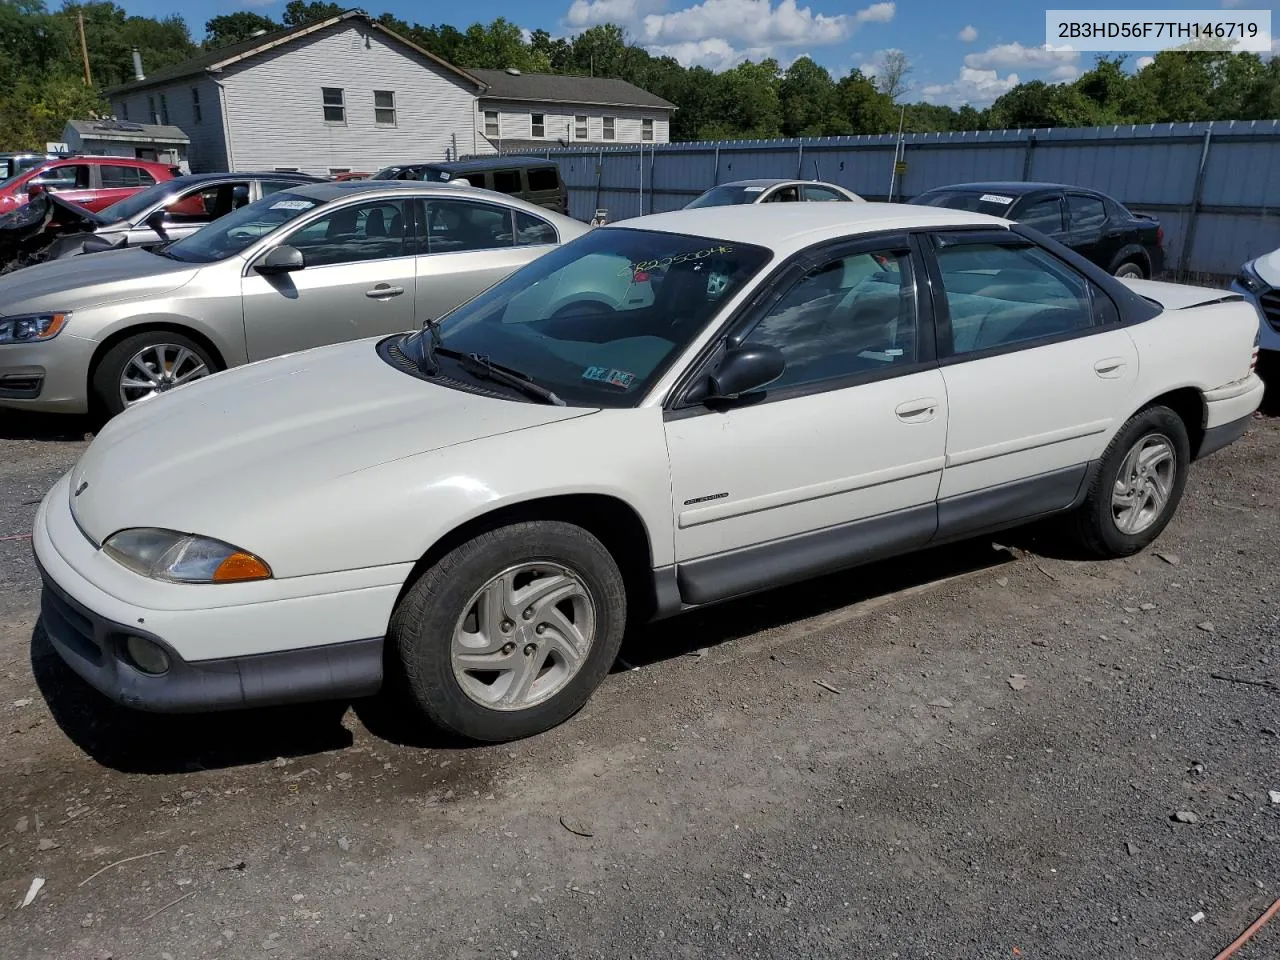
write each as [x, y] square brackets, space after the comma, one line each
[1137, 486]
[1130, 269]
[145, 365]
[510, 633]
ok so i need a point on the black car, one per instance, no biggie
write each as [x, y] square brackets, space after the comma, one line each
[529, 178]
[1094, 225]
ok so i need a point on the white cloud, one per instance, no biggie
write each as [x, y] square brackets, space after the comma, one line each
[1063, 73]
[526, 34]
[713, 53]
[757, 22]
[1143, 62]
[590, 13]
[968, 34]
[876, 13]
[974, 87]
[1008, 56]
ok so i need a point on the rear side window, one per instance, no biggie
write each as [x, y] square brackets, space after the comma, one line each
[455, 226]
[1000, 295]
[506, 181]
[1044, 215]
[1087, 213]
[117, 177]
[531, 230]
[543, 178]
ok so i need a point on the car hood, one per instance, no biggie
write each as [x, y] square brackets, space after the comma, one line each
[1267, 267]
[221, 456]
[90, 281]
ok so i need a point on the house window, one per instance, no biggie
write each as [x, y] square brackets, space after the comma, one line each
[609, 132]
[384, 108]
[335, 105]
[195, 105]
[338, 171]
[646, 129]
[151, 108]
[164, 109]
[539, 125]
[491, 128]
[580, 128]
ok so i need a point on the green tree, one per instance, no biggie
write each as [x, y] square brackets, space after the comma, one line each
[298, 12]
[810, 102]
[1107, 86]
[866, 109]
[234, 27]
[745, 99]
[498, 46]
[1039, 104]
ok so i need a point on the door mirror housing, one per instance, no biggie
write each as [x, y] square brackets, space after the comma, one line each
[281, 259]
[156, 222]
[34, 189]
[746, 370]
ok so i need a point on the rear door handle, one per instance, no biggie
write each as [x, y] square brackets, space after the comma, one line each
[917, 411]
[1110, 368]
[384, 291]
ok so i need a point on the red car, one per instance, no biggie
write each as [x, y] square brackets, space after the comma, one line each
[92, 182]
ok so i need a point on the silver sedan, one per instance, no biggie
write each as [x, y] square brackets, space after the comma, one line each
[305, 266]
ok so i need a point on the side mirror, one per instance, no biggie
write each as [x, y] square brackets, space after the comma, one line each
[281, 259]
[746, 370]
[156, 222]
[35, 189]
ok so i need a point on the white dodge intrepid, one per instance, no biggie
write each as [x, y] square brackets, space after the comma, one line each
[664, 413]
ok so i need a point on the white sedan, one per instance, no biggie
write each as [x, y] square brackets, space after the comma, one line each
[773, 191]
[662, 414]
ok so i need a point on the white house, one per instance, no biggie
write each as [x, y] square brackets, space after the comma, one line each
[532, 111]
[347, 94]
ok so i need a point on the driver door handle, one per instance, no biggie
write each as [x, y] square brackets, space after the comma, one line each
[384, 291]
[917, 411]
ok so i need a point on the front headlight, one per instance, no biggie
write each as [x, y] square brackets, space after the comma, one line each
[1250, 280]
[32, 327]
[183, 557]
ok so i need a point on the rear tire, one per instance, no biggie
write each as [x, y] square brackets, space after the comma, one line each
[1131, 270]
[1137, 486]
[510, 633]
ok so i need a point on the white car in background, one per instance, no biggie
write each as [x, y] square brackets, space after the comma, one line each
[670, 412]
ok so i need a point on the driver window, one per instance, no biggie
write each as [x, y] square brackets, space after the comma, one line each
[852, 315]
[207, 204]
[66, 177]
[784, 195]
[361, 231]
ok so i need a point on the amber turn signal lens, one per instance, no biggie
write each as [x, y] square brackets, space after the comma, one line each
[241, 566]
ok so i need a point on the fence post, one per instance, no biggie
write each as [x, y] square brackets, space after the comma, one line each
[653, 158]
[1026, 157]
[715, 176]
[1193, 211]
[800, 162]
[599, 175]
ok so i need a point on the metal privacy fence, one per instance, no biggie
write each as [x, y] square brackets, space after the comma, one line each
[1214, 186]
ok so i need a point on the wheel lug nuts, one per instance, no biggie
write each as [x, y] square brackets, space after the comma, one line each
[506, 626]
[540, 628]
[508, 647]
[530, 649]
[528, 613]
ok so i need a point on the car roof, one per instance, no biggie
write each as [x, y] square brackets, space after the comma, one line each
[787, 227]
[482, 163]
[762, 182]
[326, 191]
[194, 178]
[1013, 188]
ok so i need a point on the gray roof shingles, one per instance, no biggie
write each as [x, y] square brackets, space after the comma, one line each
[561, 88]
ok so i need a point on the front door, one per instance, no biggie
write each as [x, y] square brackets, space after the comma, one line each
[1087, 218]
[1044, 214]
[837, 461]
[358, 282]
[1037, 371]
[465, 247]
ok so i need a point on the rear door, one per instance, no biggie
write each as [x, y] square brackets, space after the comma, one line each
[1037, 371]
[191, 210]
[787, 193]
[1046, 214]
[1088, 235]
[464, 247]
[117, 181]
[815, 193]
[358, 282]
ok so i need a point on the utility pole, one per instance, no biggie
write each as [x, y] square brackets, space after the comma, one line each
[84, 51]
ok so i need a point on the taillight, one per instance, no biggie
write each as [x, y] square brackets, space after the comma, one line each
[1160, 236]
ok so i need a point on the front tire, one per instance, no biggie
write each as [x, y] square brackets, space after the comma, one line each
[510, 633]
[1137, 486]
[146, 365]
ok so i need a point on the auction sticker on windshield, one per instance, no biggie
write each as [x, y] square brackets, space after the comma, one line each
[293, 205]
[995, 198]
[615, 378]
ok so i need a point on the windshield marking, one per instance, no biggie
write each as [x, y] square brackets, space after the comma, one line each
[615, 378]
[645, 266]
[995, 198]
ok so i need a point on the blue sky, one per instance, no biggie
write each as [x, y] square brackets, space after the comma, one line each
[961, 52]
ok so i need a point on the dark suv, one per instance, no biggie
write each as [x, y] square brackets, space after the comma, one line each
[1094, 225]
[529, 178]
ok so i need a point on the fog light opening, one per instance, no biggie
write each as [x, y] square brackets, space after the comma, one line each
[147, 655]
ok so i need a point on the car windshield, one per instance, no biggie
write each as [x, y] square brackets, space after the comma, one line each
[991, 202]
[131, 207]
[599, 319]
[229, 235]
[728, 194]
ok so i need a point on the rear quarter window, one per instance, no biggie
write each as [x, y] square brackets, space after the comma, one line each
[544, 178]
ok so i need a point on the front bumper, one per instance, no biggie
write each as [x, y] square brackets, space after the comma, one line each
[94, 648]
[273, 642]
[50, 377]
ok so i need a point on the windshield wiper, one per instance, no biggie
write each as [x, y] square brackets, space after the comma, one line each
[485, 368]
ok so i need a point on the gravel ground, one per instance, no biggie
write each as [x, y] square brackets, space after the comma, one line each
[980, 752]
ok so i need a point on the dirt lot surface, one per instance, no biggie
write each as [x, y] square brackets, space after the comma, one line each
[976, 753]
